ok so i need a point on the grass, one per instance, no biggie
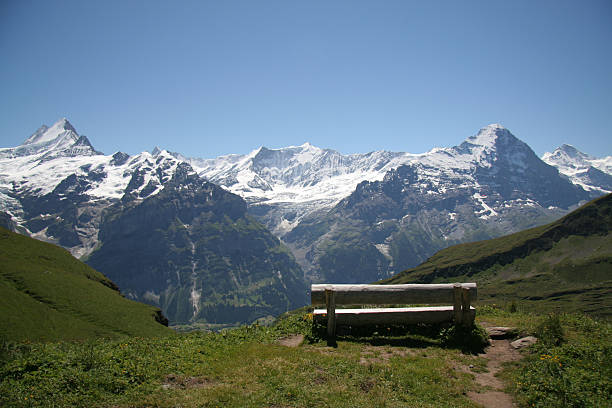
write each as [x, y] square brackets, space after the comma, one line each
[245, 367]
[242, 367]
[571, 365]
[47, 294]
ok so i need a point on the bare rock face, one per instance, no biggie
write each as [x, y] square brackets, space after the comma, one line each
[524, 342]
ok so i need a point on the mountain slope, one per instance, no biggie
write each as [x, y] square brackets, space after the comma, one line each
[565, 264]
[46, 294]
[193, 250]
[490, 185]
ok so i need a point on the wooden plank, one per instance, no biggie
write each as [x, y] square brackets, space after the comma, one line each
[396, 315]
[389, 294]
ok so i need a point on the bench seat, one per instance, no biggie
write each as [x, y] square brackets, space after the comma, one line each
[391, 315]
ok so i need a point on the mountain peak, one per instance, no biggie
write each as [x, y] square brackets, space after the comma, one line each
[494, 143]
[567, 157]
[493, 129]
[567, 154]
[46, 134]
[571, 151]
[494, 126]
[63, 123]
[490, 135]
[307, 146]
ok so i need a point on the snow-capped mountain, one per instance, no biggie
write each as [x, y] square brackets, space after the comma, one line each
[297, 173]
[57, 171]
[492, 184]
[59, 140]
[164, 234]
[591, 173]
[285, 186]
[185, 233]
[282, 186]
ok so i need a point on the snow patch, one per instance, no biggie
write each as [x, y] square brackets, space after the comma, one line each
[486, 209]
[151, 297]
[384, 249]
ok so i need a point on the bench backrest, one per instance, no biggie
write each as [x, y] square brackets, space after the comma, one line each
[347, 294]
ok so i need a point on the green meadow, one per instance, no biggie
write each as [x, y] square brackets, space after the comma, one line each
[247, 367]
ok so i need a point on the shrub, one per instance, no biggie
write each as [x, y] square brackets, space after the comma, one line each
[550, 332]
[469, 339]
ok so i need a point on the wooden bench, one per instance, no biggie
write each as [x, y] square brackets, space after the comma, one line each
[458, 295]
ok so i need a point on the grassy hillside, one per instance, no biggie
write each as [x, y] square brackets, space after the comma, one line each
[564, 266]
[47, 294]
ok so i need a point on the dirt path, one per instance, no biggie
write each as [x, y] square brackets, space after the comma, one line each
[492, 396]
[291, 341]
[499, 352]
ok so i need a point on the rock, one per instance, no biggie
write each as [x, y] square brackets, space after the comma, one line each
[501, 332]
[6, 221]
[524, 342]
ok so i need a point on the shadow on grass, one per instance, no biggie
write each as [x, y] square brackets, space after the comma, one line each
[472, 340]
[410, 342]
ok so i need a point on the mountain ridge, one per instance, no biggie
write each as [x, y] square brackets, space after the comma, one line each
[310, 179]
[348, 218]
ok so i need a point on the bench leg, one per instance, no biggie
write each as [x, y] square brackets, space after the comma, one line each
[457, 295]
[466, 298]
[330, 302]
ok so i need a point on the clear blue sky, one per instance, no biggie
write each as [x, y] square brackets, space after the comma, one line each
[206, 78]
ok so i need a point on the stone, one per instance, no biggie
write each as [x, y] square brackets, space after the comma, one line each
[524, 342]
[501, 332]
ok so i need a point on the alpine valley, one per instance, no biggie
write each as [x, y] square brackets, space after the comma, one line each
[238, 238]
